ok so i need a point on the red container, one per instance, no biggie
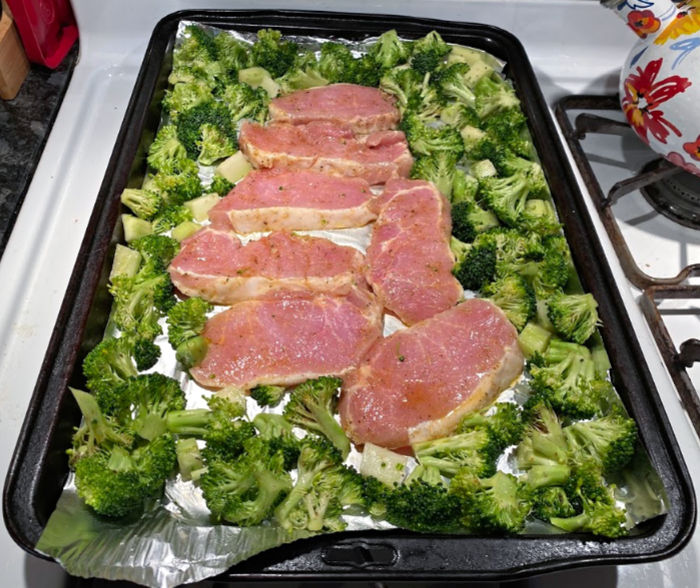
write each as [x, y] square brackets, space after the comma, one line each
[47, 28]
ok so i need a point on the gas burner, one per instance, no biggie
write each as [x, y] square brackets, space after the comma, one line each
[676, 196]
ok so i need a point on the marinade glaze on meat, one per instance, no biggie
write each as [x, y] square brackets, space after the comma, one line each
[214, 265]
[418, 383]
[279, 199]
[409, 258]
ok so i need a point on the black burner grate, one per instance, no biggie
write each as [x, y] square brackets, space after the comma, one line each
[676, 197]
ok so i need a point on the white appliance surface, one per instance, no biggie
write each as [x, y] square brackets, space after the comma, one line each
[575, 46]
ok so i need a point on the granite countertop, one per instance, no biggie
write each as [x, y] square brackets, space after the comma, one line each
[25, 123]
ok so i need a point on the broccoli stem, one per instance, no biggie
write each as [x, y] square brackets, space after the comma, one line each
[188, 422]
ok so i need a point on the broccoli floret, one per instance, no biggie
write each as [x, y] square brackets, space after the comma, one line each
[311, 406]
[177, 187]
[506, 196]
[475, 265]
[539, 216]
[544, 443]
[245, 491]
[143, 203]
[186, 321]
[232, 53]
[185, 96]
[219, 426]
[278, 432]
[405, 84]
[503, 422]
[429, 52]
[429, 474]
[97, 429]
[423, 507]
[609, 440]
[271, 52]
[595, 504]
[389, 51]
[220, 185]
[115, 482]
[190, 122]
[157, 250]
[464, 188]
[469, 219]
[244, 101]
[140, 301]
[146, 354]
[166, 152]
[302, 75]
[214, 144]
[514, 296]
[151, 397]
[196, 49]
[500, 503]
[109, 363]
[507, 126]
[438, 168]
[267, 395]
[336, 63]
[474, 450]
[170, 217]
[207, 73]
[428, 140]
[317, 458]
[366, 72]
[453, 84]
[459, 116]
[551, 502]
[493, 93]
[574, 316]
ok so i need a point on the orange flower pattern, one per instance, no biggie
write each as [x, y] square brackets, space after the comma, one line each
[643, 22]
[692, 148]
[686, 22]
[644, 94]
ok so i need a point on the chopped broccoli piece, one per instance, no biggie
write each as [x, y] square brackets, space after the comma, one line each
[278, 432]
[115, 482]
[166, 153]
[514, 296]
[177, 187]
[609, 440]
[423, 507]
[503, 422]
[232, 53]
[453, 84]
[574, 316]
[506, 196]
[185, 96]
[544, 443]
[221, 185]
[146, 354]
[551, 502]
[336, 63]
[493, 93]
[143, 203]
[429, 52]
[311, 406]
[170, 217]
[405, 84]
[459, 116]
[427, 140]
[267, 395]
[389, 51]
[246, 491]
[214, 144]
[438, 168]
[190, 122]
[186, 320]
[109, 364]
[157, 250]
[271, 52]
[539, 216]
[474, 450]
[244, 101]
[469, 219]
[500, 503]
[475, 264]
[366, 72]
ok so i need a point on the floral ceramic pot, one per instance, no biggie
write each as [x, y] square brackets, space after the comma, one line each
[660, 82]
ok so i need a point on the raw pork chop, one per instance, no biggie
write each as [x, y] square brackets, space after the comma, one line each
[418, 383]
[286, 339]
[361, 108]
[274, 199]
[327, 147]
[214, 265]
[409, 258]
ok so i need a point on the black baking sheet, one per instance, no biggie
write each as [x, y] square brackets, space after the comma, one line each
[39, 466]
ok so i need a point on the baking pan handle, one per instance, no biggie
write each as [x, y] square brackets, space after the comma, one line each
[360, 554]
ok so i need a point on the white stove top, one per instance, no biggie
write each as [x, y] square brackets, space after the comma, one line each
[575, 46]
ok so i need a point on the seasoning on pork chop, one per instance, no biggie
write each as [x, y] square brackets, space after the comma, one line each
[418, 383]
[287, 339]
[409, 259]
[279, 199]
[327, 147]
[214, 265]
[361, 108]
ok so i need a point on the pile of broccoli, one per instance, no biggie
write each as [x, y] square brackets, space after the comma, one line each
[286, 466]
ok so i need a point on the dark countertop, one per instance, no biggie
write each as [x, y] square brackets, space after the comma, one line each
[25, 123]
